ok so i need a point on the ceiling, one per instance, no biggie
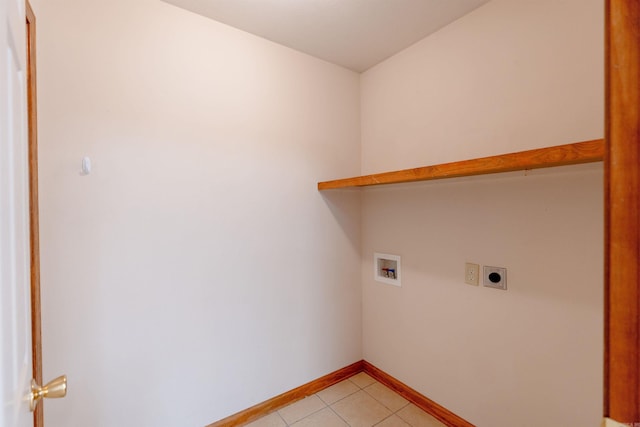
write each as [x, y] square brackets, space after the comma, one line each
[356, 34]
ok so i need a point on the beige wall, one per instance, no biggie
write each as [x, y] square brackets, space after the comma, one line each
[510, 76]
[196, 271]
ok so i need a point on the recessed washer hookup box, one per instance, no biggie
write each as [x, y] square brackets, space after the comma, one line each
[387, 269]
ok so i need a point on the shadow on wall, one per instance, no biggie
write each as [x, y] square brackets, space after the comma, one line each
[542, 226]
[344, 205]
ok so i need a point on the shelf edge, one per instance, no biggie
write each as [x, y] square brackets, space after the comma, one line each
[559, 155]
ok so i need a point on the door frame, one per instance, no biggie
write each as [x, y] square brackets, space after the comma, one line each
[622, 213]
[36, 323]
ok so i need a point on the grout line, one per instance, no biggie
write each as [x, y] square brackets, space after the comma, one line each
[308, 415]
[364, 389]
[321, 409]
[283, 420]
[343, 397]
[382, 403]
[403, 418]
[338, 415]
[363, 372]
[405, 405]
[386, 418]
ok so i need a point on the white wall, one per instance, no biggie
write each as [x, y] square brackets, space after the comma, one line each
[196, 271]
[512, 75]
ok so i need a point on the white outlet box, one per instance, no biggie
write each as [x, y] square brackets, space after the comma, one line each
[471, 274]
[495, 277]
[387, 269]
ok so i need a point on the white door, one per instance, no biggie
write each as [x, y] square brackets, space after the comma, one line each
[15, 316]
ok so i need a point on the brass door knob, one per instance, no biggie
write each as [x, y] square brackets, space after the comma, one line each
[53, 389]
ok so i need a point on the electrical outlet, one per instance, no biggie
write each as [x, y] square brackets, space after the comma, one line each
[495, 277]
[471, 273]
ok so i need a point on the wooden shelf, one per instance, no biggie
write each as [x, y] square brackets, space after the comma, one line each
[559, 155]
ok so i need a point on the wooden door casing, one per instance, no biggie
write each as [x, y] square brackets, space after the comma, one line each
[622, 214]
[36, 326]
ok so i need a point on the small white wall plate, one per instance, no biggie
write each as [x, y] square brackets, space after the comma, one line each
[387, 269]
[495, 277]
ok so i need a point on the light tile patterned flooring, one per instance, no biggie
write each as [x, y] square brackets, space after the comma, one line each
[359, 401]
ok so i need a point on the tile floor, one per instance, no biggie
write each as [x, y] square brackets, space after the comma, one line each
[359, 401]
